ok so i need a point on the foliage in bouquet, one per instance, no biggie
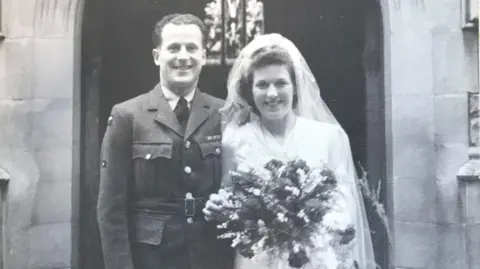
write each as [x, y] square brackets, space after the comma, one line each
[278, 209]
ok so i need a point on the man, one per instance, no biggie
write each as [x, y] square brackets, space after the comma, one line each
[161, 161]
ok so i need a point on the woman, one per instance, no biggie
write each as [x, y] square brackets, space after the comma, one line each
[274, 110]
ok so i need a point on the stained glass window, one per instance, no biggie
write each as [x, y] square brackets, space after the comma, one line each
[231, 25]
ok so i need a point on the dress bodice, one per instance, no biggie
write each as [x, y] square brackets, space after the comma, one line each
[309, 140]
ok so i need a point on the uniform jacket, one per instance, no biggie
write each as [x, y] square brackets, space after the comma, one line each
[149, 165]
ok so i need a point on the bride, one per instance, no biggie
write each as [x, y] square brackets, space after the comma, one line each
[274, 110]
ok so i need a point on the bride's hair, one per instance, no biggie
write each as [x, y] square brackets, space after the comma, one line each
[263, 57]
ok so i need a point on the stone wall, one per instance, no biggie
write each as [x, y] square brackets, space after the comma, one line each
[36, 89]
[433, 64]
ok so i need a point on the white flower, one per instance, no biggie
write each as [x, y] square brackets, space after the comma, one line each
[246, 239]
[235, 216]
[227, 235]
[258, 247]
[295, 191]
[296, 248]
[302, 176]
[222, 226]
[302, 215]
[256, 192]
[237, 240]
[281, 217]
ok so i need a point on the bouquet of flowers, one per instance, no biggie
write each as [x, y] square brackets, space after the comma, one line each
[281, 208]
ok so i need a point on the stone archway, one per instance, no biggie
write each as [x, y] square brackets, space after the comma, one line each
[88, 47]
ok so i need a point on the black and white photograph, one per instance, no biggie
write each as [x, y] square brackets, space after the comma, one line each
[239, 134]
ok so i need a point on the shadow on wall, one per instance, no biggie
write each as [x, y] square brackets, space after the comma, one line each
[4, 178]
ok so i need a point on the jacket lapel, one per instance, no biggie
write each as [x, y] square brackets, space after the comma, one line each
[199, 112]
[165, 114]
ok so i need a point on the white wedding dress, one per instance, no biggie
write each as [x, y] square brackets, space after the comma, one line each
[315, 142]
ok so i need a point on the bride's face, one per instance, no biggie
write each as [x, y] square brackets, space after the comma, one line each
[273, 91]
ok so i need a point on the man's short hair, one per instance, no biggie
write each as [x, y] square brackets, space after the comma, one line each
[177, 19]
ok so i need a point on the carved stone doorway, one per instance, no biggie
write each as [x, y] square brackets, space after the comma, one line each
[341, 40]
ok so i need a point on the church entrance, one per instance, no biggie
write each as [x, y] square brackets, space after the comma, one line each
[341, 41]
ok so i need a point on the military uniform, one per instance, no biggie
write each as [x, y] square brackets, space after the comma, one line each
[155, 179]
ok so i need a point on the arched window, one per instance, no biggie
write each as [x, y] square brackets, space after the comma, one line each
[231, 25]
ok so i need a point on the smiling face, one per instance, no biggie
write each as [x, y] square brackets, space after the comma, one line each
[180, 57]
[273, 91]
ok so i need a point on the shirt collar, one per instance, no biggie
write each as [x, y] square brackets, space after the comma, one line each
[171, 96]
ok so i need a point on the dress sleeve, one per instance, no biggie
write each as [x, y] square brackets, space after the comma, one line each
[351, 205]
[343, 212]
[229, 144]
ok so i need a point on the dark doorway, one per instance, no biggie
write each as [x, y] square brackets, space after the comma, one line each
[117, 65]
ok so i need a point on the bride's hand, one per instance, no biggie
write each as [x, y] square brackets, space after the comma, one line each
[214, 208]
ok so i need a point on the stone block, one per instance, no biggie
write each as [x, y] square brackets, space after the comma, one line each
[23, 171]
[413, 140]
[473, 246]
[411, 62]
[444, 13]
[449, 204]
[448, 61]
[408, 17]
[55, 164]
[413, 160]
[16, 122]
[450, 248]
[20, 18]
[52, 124]
[451, 119]
[18, 74]
[471, 202]
[18, 249]
[50, 246]
[414, 200]
[449, 158]
[54, 19]
[415, 245]
[413, 118]
[55, 79]
[52, 202]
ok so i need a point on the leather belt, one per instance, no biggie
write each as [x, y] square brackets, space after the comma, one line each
[188, 207]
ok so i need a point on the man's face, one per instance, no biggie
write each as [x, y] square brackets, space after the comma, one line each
[180, 57]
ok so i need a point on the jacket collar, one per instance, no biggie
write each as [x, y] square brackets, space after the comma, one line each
[199, 112]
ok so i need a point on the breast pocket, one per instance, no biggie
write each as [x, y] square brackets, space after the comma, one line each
[211, 155]
[148, 160]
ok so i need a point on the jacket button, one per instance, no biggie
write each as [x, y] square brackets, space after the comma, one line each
[187, 144]
[218, 150]
[187, 170]
[189, 220]
[149, 156]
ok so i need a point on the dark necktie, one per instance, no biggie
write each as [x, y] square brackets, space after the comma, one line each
[182, 112]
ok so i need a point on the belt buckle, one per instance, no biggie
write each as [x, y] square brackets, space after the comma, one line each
[189, 205]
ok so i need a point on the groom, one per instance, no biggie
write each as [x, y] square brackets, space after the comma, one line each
[161, 161]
